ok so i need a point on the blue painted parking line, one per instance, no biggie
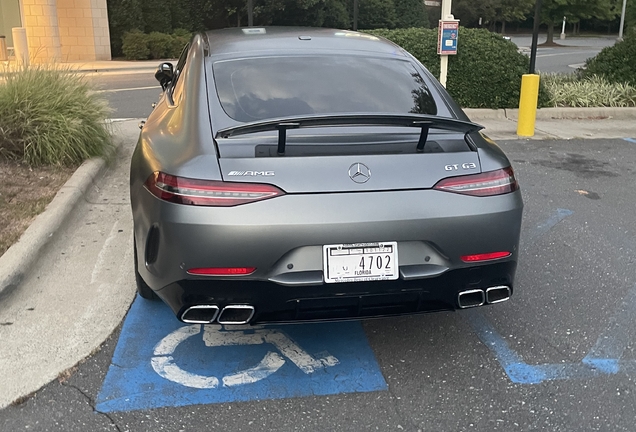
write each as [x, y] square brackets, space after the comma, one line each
[161, 362]
[631, 140]
[549, 223]
[603, 359]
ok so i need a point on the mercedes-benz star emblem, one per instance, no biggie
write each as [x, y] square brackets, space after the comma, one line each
[359, 173]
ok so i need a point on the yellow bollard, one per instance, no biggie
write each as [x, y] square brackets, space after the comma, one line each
[528, 105]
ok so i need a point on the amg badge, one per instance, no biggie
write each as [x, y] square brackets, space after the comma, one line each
[252, 173]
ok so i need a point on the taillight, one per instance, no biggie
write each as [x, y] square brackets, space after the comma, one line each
[222, 271]
[485, 256]
[490, 183]
[212, 193]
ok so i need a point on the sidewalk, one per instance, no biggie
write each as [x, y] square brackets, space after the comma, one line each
[120, 66]
[559, 123]
[111, 66]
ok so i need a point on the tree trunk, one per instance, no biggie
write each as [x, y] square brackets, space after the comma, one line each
[550, 39]
[503, 27]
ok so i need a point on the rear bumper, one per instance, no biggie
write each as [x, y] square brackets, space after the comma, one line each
[283, 237]
[273, 302]
[431, 227]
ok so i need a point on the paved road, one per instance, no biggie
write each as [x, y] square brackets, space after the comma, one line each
[570, 55]
[130, 95]
[560, 355]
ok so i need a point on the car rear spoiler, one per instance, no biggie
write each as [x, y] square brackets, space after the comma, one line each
[422, 121]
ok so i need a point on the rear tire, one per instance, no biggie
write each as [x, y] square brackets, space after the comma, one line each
[143, 289]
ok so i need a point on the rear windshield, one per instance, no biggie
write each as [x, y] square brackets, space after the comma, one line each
[262, 88]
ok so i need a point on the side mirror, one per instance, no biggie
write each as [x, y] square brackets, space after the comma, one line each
[164, 74]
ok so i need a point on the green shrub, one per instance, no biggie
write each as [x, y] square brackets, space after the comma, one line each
[140, 46]
[135, 46]
[616, 63]
[572, 91]
[123, 16]
[183, 33]
[180, 38]
[51, 117]
[159, 45]
[486, 72]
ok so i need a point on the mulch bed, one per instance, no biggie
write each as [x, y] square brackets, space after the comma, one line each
[24, 193]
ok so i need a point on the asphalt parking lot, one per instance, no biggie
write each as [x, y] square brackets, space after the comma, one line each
[560, 355]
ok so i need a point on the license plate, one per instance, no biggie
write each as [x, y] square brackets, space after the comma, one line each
[359, 262]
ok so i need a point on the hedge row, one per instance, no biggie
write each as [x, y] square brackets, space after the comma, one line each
[486, 72]
[617, 63]
[140, 46]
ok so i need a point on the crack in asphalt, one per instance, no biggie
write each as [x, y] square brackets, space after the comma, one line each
[90, 402]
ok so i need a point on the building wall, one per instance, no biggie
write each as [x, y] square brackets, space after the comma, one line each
[9, 18]
[66, 30]
[43, 36]
[83, 28]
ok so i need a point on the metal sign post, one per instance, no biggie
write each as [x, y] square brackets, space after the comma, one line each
[250, 13]
[355, 15]
[529, 97]
[442, 49]
[622, 26]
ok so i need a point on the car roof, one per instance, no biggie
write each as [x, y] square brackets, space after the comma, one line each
[255, 40]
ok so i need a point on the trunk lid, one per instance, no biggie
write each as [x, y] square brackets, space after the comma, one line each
[348, 158]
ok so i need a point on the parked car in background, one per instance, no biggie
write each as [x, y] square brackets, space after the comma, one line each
[298, 174]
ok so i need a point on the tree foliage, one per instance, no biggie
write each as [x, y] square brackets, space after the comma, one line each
[630, 15]
[491, 11]
[194, 15]
[123, 16]
[410, 13]
[553, 11]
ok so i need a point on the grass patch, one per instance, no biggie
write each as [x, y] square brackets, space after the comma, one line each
[51, 117]
[571, 90]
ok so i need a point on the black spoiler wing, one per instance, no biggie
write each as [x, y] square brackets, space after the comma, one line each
[422, 121]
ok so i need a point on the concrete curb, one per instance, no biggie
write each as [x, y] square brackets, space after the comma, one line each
[17, 260]
[476, 114]
[598, 113]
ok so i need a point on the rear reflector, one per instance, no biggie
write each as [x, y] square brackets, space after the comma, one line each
[213, 193]
[485, 257]
[489, 183]
[222, 271]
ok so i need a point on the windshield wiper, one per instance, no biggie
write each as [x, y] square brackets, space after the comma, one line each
[282, 124]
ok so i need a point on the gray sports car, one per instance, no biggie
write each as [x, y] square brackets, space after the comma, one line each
[296, 174]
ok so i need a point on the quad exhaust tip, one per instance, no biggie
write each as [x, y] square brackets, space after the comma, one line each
[236, 314]
[477, 297]
[200, 314]
[497, 294]
[471, 298]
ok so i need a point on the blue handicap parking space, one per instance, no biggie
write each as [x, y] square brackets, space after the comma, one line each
[161, 362]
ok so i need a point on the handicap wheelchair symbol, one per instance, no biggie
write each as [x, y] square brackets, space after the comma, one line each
[218, 336]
